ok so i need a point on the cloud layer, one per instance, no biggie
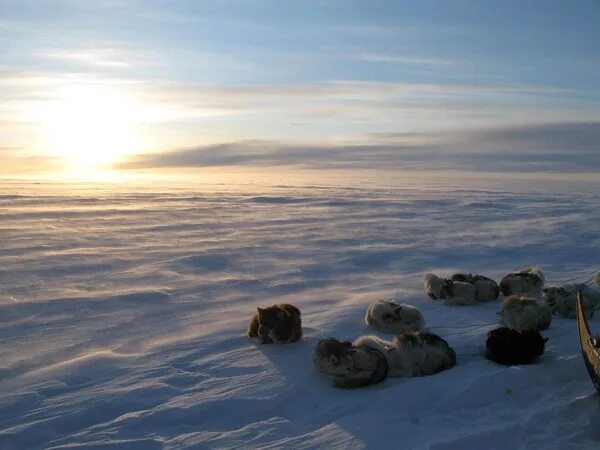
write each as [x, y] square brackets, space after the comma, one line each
[562, 147]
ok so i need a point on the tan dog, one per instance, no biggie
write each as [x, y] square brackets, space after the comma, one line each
[522, 313]
[529, 281]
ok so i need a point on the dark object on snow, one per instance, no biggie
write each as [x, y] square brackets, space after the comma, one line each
[278, 323]
[511, 347]
[590, 346]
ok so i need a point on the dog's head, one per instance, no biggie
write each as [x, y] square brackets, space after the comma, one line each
[334, 357]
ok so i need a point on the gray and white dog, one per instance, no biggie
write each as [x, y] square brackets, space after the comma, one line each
[562, 299]
[486, 289]
[461, 289]
[347, 366]
[412, 354]
[449, 292]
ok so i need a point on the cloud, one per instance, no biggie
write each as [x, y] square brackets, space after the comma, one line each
[345, 124]
[403, 59]
[93, 57]
[17, 161]
[562, 147]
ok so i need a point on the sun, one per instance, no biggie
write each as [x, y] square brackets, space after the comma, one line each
[90, 127]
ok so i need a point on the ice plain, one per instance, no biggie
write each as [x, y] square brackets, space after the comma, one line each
[123, 313]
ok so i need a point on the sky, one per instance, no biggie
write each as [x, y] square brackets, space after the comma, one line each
[487, 86]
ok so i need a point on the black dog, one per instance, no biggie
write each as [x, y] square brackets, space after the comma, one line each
[511, 347]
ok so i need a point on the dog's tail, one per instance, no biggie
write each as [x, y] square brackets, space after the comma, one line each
[368, 317]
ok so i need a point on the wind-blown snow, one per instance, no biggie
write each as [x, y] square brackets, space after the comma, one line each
[123, 315]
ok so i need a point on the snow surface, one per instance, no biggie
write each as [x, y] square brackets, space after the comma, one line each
[123, 314]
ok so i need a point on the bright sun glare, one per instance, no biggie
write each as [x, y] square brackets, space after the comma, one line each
[90, 127]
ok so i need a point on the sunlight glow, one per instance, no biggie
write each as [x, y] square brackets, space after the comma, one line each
[90, 127]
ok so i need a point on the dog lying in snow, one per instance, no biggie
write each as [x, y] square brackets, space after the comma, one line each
[347, 366]
[412, 354]
[391, 317]
[486, 289]
[449, 292]
[511, 347]
[529, 281]
[460, 289]
[522, 313]
[279, 323]
[562, 300]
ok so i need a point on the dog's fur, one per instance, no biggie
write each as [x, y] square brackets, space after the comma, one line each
[391, 317]
[529, 281]
[278, 323]
[453, 293]
[412, 354]
[486, 289]
[511, 347]
[435, 287]
[461, 289]
[522, 313]
[562, 300]
[347, 366]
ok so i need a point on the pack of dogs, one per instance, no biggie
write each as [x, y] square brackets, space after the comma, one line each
[527, 308]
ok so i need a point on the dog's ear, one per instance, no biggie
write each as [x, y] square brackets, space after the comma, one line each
[260, 310]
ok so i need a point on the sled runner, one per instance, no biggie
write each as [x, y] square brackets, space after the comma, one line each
[590, 345]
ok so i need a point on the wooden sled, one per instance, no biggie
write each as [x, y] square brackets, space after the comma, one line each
[590, 345]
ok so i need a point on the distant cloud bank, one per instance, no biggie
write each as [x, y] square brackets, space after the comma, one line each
[559, 147]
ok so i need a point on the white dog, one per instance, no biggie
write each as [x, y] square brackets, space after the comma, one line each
[522, 313]
[412, 354]
[453, 293]
[529, 281]
[391, 317]
[562, 299]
